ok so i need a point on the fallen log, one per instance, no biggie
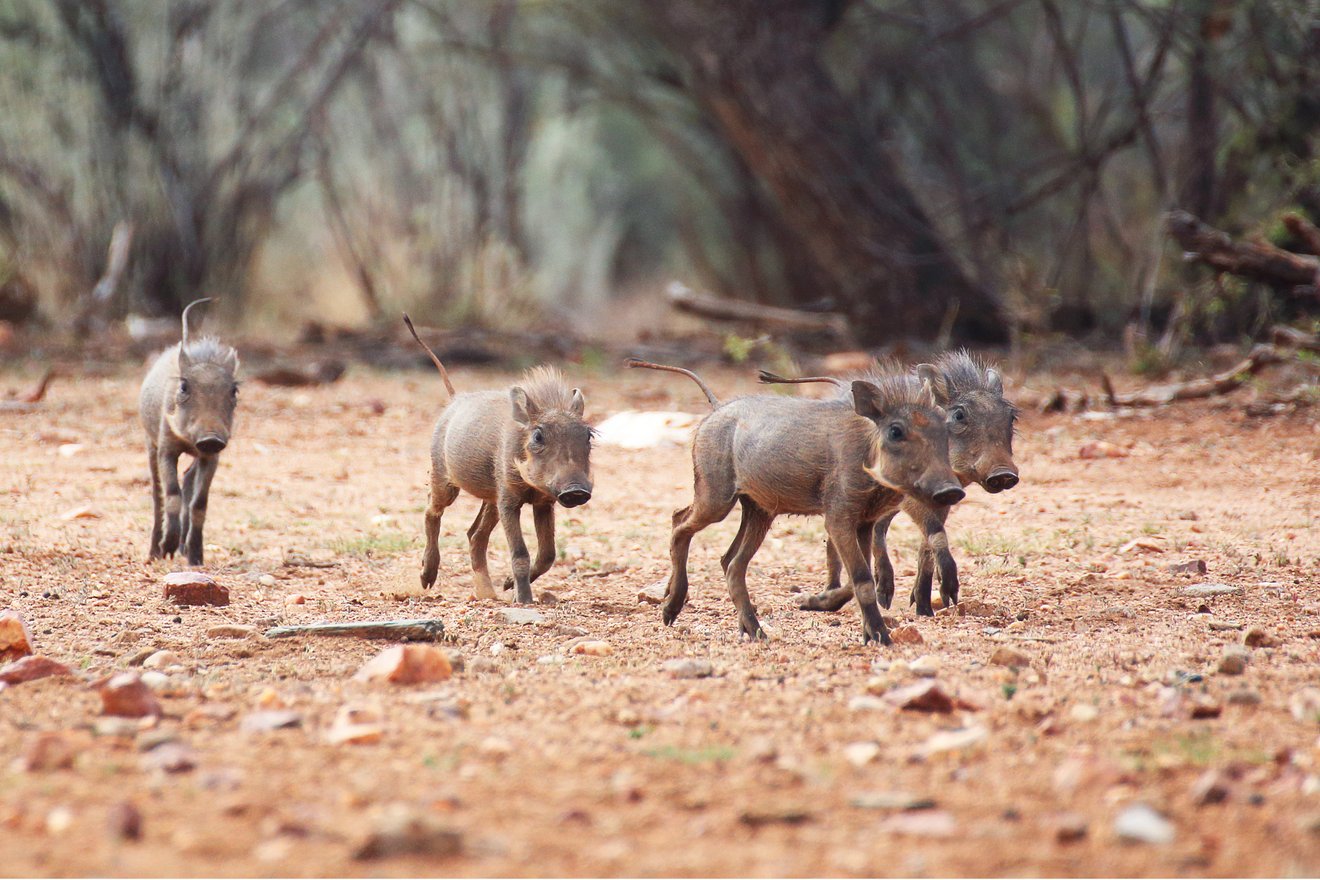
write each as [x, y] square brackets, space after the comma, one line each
[394, 630]
[1295, 274]
[775, 318]
[1222, 383]
[324, 372]
[1304, 231]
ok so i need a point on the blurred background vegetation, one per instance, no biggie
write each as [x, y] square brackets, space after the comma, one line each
[984, 170]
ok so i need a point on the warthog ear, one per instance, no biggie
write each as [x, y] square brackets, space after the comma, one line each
[183, 358]
[866, 400]
[994, 381]
[579, 404]
[936, 381]
[525, 410]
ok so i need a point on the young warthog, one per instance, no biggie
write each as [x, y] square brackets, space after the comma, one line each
[527, 445]
[851, 460]
[187, 405]
[980, 450]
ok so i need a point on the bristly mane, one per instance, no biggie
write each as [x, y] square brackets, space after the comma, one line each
[208, 349]
[897, 386]
[965, 371]
[547, 389]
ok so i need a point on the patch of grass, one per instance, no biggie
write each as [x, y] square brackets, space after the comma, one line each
[711, 754]
[640, 731]
[383, 544]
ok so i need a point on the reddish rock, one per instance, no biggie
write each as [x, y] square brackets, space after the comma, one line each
[907, 635]
[407, 664]
[15, 640]
[1013, 659]
[48, 751]
[30, 669]
[125, 821]
[126, 696]
[170, 757]
[926, 696]
[194, 588]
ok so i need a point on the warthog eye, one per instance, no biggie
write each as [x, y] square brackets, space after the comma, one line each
[895, 433]
[233, 390]
[183, 388]
[958, 414]
[538, 437]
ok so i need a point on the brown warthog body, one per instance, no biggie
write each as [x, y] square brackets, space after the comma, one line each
[187, 405]
[852, 461]
[527, 445]
[980, 451]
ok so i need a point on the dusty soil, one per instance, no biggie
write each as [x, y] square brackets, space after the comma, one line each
[553, 763]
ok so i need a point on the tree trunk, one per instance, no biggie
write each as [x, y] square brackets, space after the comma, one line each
[755, 67]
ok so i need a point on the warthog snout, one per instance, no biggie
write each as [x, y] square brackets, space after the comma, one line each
[575, 496]
[211, 444]
[1001, 480]
[949, 495]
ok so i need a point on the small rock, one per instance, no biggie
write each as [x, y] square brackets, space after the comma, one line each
[762, 816]
[1244, 697]
[155, 679]
[522, 616]
[891, 800]
[1140, 823]
[170, 757]
[59, 820]
[1145, 545]
[654, 594]
[271, 719]
[194, 588]
[124, 821]
[1259, 638]
[594, 648]
[1194, 566]
[295, 599]
[974, 608]
[1222, 625]
[400, 831]
[1101, 449]
[496, 747]
[31, 668]
[1084, 712]
[118, 728]
[1006, 656]
[547, 598]
[859, 754]
[1070, 827]
[926, 666]
[1210, 788]
[1189, 516]
[1234, 661]
[231, 631]
[355, 725]
[907, 635]
[48, 751]
[953, 741]
[125, 696]
[1207, 590]
[867, 703]
[407, 664]
[1305, 705]
[15, 640]
[1204, 707]
[689, 668]
[267, 580]
[925, 696]
[162, 660]
[925, 823]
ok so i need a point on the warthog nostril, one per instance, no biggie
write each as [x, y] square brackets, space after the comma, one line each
[949, 495]
[1000, 481]
[574, 496]
[211, 444]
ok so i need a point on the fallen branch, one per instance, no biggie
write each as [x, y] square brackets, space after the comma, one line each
[323, 372]
[1230, 380]
[1304, 231]
[27, 401]
[1296, 274]
[764, 317]
[396, 630]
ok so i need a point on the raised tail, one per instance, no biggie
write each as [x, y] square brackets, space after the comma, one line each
[636, 364]
[444, 374]
[768, 378]
[184, 343]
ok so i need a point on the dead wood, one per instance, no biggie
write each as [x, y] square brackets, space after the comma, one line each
[762, 317]
[1222, 383]
[1295, 274]
[1304, 231]
[323, 372]
[395, 630]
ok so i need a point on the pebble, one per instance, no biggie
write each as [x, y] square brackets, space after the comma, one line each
[654, 594]
[407, 664]
[891, 800]
[596, 648]
[547, 598]
[1244, 697]
[1084, 712]
[267, 580]
[522, 616]
[1194, 566]
[271, 719]
[48, 751]
[953, 740]
[1234, 661]
[194, 588]
[1305, 705]
[1210, 788]
[59, 820]
[1259, 638]
[867, 703]
[31, 668]
[170, 757]
[125, 696]
[689, 668]
[923, 823]
[925, 696]
[1206, 590]
[231, 631]
[1142, 824]
[295, 599]
[161, 660]
[155, 679]
[124, 821]
[1204, 707]
[355, 725]
[1010, 657]
[907, 635]
[859, 754]
[402, 831]
[1222, 625]
[1070, 827]
[15, 640]
[926, 666]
